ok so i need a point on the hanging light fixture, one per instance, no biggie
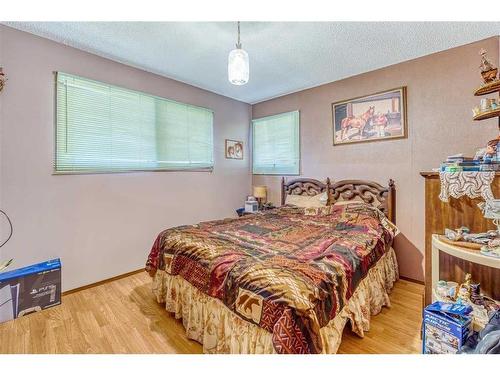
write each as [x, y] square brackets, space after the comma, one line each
[237, 64]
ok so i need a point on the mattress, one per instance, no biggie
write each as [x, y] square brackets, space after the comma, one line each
[291, 272]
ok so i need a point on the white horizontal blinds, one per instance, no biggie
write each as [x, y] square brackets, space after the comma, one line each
[184, 136]
[276, 147]
[107, 128]
[133, 130]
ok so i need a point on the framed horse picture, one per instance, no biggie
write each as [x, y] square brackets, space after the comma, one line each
[374, 117]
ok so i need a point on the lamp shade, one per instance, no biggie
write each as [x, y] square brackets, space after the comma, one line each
[260, 191]
[238, 67]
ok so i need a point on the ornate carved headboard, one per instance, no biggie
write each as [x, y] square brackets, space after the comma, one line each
[303, 186]
[384, 198]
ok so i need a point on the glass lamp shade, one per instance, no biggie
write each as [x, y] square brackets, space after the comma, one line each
[238, 67]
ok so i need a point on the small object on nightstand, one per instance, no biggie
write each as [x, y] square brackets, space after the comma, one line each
[267, 206]
[251, 204]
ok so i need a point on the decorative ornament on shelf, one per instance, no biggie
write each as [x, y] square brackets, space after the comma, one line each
[488, 70]
[489, 107]
[238, 69]
[492, 150]
[2, 79]
[464, 291]
[492, 211]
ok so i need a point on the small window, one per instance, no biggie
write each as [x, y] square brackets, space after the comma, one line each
[104, 128]
[276, 145]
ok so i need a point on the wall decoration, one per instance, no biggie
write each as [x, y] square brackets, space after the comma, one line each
[2, 79]
[488, 70]
[489, 107]
[234, 149]
[374, 117]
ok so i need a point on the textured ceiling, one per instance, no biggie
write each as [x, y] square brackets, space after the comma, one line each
[284, 56]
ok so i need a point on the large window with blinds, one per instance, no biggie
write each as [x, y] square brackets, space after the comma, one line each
[276, 144]
[105, 128]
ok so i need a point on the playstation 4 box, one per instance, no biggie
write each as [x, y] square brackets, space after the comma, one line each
[446, 327]
[30, 289]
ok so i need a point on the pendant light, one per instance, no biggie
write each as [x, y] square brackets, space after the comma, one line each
[237, 64]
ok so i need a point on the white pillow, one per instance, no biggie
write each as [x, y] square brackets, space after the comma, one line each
[318, 200]
[344, 203]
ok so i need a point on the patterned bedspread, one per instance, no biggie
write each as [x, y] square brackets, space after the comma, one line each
[288, 270]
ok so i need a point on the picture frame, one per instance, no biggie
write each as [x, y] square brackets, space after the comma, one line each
[375, 117]
[234, 149]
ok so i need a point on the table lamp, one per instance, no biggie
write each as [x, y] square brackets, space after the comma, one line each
[260, 192]
[492, 211]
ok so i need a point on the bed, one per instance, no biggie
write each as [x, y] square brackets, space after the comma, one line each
[285, 280]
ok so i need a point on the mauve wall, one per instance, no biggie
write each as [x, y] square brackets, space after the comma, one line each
[440, 99]
[100, 225]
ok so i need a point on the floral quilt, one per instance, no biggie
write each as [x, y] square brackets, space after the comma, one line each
[289, 270]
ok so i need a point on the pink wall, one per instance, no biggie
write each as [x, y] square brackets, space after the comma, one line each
[101, 225]
[440, 99]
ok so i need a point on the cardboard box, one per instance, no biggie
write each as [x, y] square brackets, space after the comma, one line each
[30, 289]
[446, 328]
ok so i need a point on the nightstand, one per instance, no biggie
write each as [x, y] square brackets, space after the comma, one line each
[241, 211]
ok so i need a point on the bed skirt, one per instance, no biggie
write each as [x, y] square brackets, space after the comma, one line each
[208, 321]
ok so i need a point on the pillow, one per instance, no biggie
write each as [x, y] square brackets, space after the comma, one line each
[318, 200]
[353, 201]
[384, 221]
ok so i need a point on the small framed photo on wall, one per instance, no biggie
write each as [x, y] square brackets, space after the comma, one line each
[234, 149]
[374, 117]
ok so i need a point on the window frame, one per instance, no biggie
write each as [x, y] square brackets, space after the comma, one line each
[56, 172]
[299, 144]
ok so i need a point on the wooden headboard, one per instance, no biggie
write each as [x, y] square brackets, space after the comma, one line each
[302, 186]
[384, 198]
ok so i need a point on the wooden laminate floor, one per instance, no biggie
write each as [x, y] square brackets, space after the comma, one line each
[122, 317]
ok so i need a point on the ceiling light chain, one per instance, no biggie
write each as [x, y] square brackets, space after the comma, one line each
[238, 45]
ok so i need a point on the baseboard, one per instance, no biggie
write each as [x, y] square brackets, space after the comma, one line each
[71, 291]
[412, 280]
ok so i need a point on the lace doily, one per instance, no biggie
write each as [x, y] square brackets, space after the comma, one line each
[471, 184]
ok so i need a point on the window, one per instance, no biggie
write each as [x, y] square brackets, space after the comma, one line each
[276, 148]
[104, 128]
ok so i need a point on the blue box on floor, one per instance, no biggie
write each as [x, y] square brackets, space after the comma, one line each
[446, 327]
[30, 289]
